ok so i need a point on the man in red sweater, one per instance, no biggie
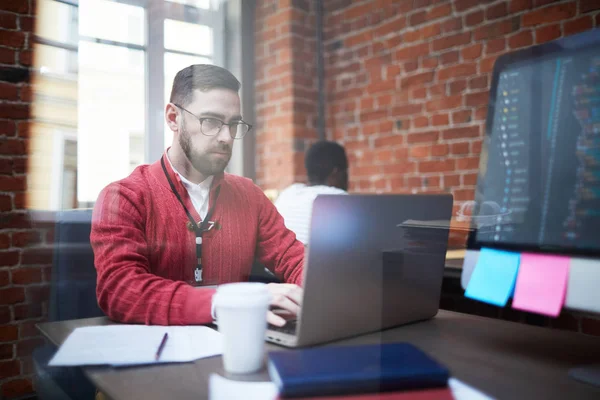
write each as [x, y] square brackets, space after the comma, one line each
[174, 226]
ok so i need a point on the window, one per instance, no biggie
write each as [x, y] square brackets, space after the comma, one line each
[103, 74]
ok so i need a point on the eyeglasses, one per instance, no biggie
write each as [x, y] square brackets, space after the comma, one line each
[212, 126]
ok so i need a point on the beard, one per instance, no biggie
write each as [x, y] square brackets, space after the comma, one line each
[207, 163]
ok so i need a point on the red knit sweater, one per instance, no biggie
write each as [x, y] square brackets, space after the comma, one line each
[145, 255]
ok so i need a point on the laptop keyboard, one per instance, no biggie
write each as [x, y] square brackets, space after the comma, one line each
[289, 328]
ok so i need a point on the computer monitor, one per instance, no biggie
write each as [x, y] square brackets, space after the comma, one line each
[538, 188]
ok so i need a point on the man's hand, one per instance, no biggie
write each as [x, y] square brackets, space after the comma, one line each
[285, 296]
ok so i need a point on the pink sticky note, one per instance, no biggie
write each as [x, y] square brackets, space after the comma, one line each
[541, 284]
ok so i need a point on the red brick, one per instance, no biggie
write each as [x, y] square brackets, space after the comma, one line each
[472, 52]
[429, 62]
[7, 56]
[23, 129]
[457, 86]
[5, 316]
[480, 113]
[366, 170]
[464, 69]
[547, 33]
[479, 82]
[420, 151]
[424, 137]
[6, 166]
[587, 6]
[26, 276]
[373, 115]
[399, 167]
[26, 57]
[7, 351]
[9, 258]
[28, 311]
[459, 133]
[497, 29]
[474, 18]
[26, 94]
[469, 179]
[411, 66]
[421, 122]
[436, 166]
[461, 117]
[12, 147]
[440, 119]
[8, 21]
[452, 25]
[439, 150]
[38, 293]
[464, 194]
[555, 13]
[495, 45]
[487, 64]
[467, 163]
[7, 128]
[356, 11]
[459, 148]
[519, 5]
[410, 52]
[418, 93]
[418, 79]
[28, 329]
[578, 25]
[14, 111]
[14, 39]
[12, 295]
[412, 36]
[5, 202]
[417, 18]
[408, 109]
[8, 369]
[27, 23]
[4, 280]
[496, 11]
[451, 180]
[521, 39]
[17, 388]
[437, 90]
[12, 183]
[461, 5]
[431, 30]
[19, 165]
[20, 220]
[477, 99]
[439, 11]
[37, 255]
[444, 103]
[597, 19]
[388, 141]
[9, 333]
[16, 6]
[449, 57]
[451, 41]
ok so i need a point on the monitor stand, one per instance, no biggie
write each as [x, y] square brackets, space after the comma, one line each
[589, 374]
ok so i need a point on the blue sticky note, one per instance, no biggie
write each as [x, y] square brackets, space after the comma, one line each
[493, 280]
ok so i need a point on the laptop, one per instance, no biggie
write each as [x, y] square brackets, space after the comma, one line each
[372, 262]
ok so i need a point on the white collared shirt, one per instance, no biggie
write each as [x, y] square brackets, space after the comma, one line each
[295, 206]
[199, 192]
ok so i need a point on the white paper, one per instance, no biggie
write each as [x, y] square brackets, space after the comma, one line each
[220, 388]
[462, 391]
[120, 345]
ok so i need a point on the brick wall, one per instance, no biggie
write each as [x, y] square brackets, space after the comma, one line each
[286, 89]
[24, 270]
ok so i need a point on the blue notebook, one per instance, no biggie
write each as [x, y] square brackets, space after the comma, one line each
[336, 370]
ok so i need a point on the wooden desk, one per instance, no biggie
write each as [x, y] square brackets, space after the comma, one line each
[504, 359]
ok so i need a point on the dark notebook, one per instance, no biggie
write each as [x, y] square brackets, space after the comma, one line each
[334, 370]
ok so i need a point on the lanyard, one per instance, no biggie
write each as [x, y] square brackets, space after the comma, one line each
[204, 226]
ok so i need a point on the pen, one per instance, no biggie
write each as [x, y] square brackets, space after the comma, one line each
[161, 346]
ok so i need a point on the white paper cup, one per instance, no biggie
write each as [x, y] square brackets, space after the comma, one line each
[241, 311]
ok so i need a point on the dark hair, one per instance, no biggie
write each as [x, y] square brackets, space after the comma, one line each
[203, 77]
[321, 159]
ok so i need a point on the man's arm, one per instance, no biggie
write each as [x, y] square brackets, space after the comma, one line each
[277, 247]
[126, 289]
